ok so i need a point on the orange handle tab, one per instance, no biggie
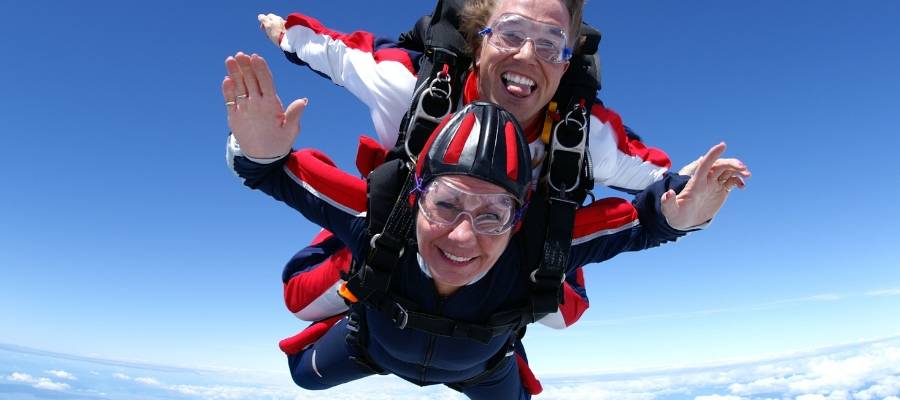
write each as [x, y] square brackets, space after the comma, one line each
[346, 293]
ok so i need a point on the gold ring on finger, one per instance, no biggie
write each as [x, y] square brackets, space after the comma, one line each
[229, 103]
[242, 96]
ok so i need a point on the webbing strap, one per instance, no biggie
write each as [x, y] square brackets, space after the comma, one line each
[547, 279]
[385, 248]
[568, 174]
[404, 316]
[444, 55]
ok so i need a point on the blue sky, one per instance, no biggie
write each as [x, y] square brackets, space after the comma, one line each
[124, 236]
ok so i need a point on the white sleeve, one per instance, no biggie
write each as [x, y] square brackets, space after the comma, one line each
[616, 168]
[382, 79]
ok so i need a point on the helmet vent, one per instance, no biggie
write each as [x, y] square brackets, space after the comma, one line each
[455, 149]
[512, 161]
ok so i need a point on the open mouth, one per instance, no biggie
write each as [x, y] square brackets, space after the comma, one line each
[518, 85]
[455, 259]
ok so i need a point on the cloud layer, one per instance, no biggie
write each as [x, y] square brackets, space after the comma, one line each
[857, 371]
[862, 371]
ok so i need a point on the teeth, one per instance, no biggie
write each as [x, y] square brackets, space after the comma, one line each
[456, 258]
[518, 79]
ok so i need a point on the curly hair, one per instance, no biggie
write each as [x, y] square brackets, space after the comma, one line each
[476, 13]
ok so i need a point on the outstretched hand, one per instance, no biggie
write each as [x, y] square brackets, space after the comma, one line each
[273, 25]
[257, 119]
[710, 184]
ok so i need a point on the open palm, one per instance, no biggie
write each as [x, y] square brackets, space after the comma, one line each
[256, 116]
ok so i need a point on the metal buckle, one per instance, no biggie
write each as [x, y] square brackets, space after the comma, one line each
[579, 120]
[400, 317]
[375, 238]
[534, 278]
[432, 90]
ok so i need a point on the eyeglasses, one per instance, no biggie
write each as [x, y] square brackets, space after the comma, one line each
[443, 203]
[510, 32]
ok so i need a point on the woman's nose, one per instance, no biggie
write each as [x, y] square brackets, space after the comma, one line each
[464, 230]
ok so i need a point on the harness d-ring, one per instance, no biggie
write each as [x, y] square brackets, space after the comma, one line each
[437, 93]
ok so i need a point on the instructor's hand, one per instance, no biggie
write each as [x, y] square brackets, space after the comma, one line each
[273, 25]
[258, 120]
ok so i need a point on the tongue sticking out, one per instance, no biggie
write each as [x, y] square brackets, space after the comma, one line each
[518, 89]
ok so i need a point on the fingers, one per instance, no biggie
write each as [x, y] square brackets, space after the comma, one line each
[734, 182]
[726, 168]
[272, 25]
[234, 72]
[228, 92]
[731, 164]
[294, 112]
[668, 203]
[250, 79]
[251, 76]
[263, 75]
[709, 159]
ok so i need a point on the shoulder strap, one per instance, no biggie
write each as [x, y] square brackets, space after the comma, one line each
[442, 67]
[389, 233]
[567, 175]
[439, 78]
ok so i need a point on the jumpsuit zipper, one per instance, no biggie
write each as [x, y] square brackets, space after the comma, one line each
[429, 351]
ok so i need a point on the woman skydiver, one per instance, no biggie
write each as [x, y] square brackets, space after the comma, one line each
[466, 256]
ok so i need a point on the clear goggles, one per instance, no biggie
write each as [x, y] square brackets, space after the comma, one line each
[509, 32]
[443, 203]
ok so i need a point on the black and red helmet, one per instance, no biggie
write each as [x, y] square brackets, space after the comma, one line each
[481, 140]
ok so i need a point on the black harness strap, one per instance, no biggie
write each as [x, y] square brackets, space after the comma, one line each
[442, 66]
[404, 314]
[357, 340]
[389, 238]
[568, 175]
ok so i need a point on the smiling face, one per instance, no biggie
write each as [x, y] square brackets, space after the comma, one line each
[518, 80]
[455, 254]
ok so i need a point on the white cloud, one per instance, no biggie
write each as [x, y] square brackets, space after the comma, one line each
[20, 377]
[872, 372]
[37, 383]
[862, 371]
[47, 384]
[885, 388]
[62, 374]
[147, 381]
[119, 375]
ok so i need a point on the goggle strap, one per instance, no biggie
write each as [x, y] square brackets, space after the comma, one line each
[417, 189]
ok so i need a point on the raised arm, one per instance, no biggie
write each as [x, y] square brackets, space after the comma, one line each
[259, 152]
[664, 211]
[378, 73]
